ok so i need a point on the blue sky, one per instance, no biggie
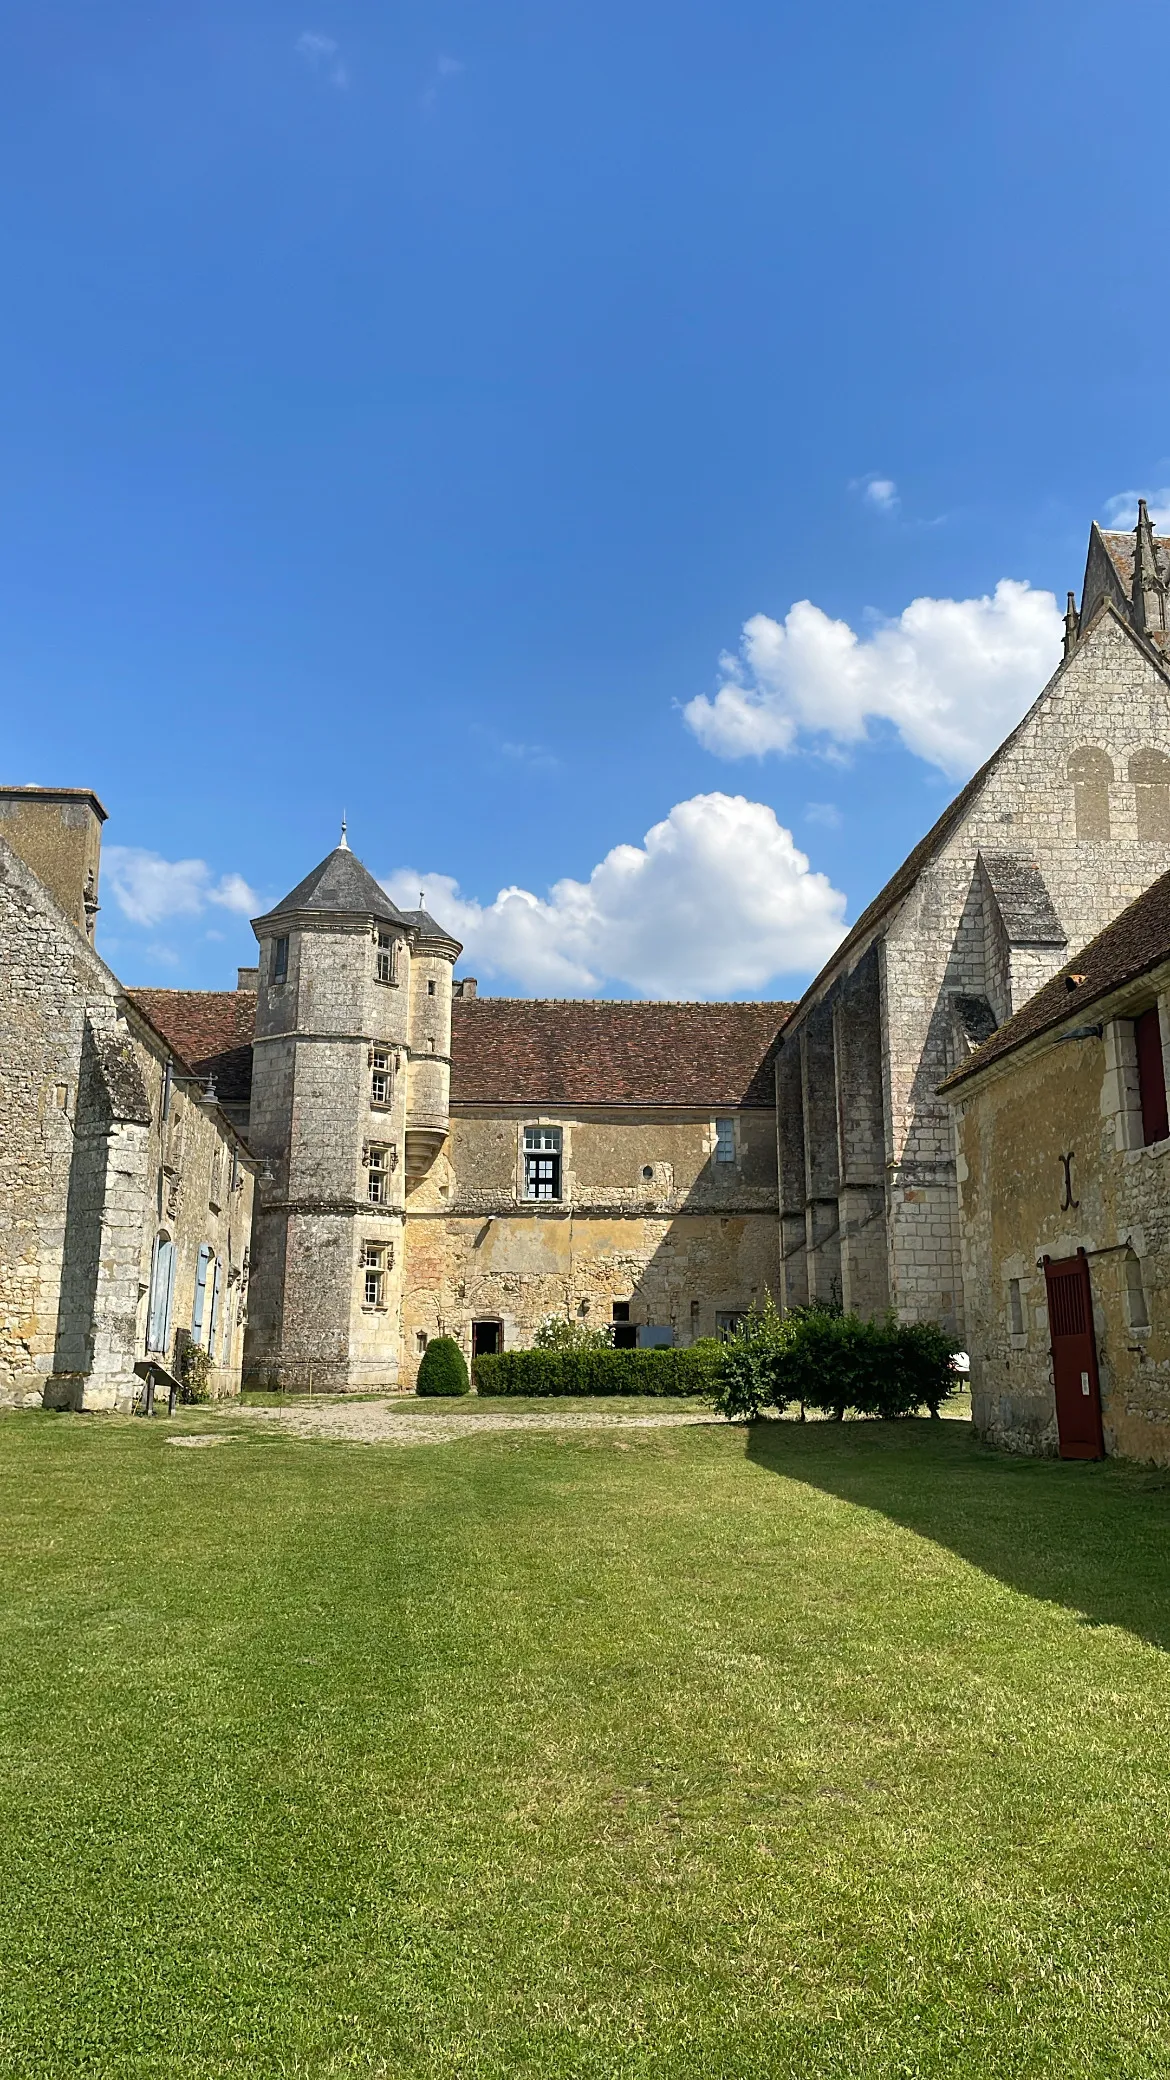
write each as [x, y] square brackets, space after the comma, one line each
[405, 408]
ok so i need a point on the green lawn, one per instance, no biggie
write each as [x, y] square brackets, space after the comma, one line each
[827, 1751]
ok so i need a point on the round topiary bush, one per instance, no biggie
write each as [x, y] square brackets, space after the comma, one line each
[443, 1369]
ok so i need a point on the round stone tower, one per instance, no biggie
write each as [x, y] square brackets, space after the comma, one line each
[345, 978]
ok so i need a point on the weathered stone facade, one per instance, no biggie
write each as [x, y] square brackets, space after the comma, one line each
[108, 1159]
[1053, 1158]
[681, 1252]
[1065, 825]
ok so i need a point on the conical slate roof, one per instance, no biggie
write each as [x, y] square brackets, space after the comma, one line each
[425, 924]
[340, 883]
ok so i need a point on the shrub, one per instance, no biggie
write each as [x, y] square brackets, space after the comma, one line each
[748, 1367]
[834, 1362]
[443, 1369]
[194, 1372]
[599, 1371]
[558, 1332]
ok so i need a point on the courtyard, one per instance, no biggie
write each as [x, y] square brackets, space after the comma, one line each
[627, 1743]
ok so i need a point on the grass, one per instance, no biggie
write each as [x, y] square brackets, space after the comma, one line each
[825, 1751]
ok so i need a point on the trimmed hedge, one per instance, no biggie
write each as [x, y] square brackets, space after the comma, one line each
[833, 1362]
[443, 1369]
[689, 1371]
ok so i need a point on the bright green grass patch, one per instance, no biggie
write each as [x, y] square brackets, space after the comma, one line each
[830, 1751]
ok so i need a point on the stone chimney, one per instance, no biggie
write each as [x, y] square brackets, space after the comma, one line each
[248, 980]
[466, 988]
[57, 831]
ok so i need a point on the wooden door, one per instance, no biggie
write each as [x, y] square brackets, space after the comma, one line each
[1074, 1357]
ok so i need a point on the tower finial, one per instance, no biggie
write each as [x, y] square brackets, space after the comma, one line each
[1149, 589]
[1071, 625]
[343, 843]
[422, 899]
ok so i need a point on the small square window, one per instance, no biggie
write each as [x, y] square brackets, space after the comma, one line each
[725, 1141]
[279, 960]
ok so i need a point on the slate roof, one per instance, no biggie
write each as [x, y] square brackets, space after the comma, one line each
[1022, 898]
[210, 1029]
[340, 883]
[1126, 950]
[521, 1051]
[1121, 551]
[428, 928]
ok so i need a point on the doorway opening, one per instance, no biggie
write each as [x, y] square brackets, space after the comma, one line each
[487, 1339]
[1074, 1357]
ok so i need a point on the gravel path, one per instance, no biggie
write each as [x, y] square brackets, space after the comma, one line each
[399, 1421]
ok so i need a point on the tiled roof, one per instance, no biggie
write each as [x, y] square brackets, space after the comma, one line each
[521, 1051]
[211, 1029]
[524, 1051]
[1127, 949]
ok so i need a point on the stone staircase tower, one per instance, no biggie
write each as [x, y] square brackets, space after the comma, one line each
[353, 994]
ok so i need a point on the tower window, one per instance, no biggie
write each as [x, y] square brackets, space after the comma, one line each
[725, 1141]
[386, 966]
[378, 1187]
[1015, 1307]
[279, 960]
[380, 1077]
[430, 989]
[542, 1162]
[374, 1261]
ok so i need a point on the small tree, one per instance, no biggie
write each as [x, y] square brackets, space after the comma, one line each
[750, 1364]
[443, 1369]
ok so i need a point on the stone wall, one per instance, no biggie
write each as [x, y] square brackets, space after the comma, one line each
[1014, 1126]
[694, 1239]
[85, 1161]
[944, 939]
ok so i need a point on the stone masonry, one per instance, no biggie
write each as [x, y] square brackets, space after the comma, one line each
[1063, 826]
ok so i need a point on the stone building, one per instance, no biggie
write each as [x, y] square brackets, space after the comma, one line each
[437, 1162]
[1064, 825]
[1063, 1143]
[125, 1193]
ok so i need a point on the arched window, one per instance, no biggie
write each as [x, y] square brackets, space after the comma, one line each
[199, 1305]
[1150, 773]
[1090, 771]
[162, 1289]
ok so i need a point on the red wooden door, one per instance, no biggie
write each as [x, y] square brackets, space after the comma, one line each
[1074, 1357]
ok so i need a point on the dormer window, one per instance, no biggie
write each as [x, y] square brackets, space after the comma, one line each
[386, 967]
[279, 960]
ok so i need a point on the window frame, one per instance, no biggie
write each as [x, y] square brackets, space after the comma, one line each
[725, 1150]
[542, 1146]
[378, 1172]
[278, 967]
[1151, 1076]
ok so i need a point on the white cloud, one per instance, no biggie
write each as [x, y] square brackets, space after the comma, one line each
[823, 812]
[881, 492]
[148, 888]
[952, 675]
[1121, 511]
[717, 899]
[321, 54]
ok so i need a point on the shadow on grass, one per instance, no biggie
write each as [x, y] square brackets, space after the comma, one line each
[1093, 1537]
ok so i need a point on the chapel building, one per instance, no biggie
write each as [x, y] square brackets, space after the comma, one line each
[1062, 827]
